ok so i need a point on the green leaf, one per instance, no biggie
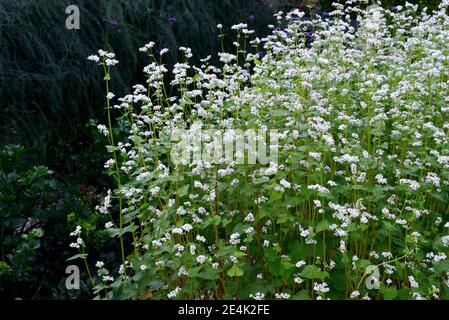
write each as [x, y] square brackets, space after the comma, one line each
[287, 265]
[389, 226]
[235, 271]
[389, 293]
[123, 290]
[208, 273]
[441, 267]
[215, 220]
[284, 217]
[264, 211]
[115, 232]
[404, 293]
[239, 254]
[313, 272]
[442, 196]
[275, 267]
[294, 200]
[78, 256]
[323, 225]
[183, 190]
[301, 295]
[279, 113]
[4, 267]
[359, 187]
[362, 264]
[275, 195]
[261, 180]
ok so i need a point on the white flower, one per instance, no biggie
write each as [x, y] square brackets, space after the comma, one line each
[239, 26]
[111, 62]
[154, 191]
[121, 269]
[108, 279]
[342, 246]
[413, 282]
[257, 296]
[99, 264]
[432, 178]
[445, 241]
[380, 179]
[249, 217]
[298, 280]
[102, 128]
[74, 245]
[315, 155]
[414, 185]
[283, 296]
[107, 201]
[200, 238]
[77, 231]
[94, 58]
[320, 287]
[187, 227]
[347, 158]
[249, 230]
[177, 231]
[108, 225]
[234, 238]
[201, 259]
[147, 47]
[285, 184]
[182, 271]
[174, 293]
[226, 57]
[110, 95]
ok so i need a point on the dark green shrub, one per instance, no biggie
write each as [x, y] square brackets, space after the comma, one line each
[37, 212]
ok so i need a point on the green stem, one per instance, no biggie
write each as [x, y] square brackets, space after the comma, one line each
[119, 183]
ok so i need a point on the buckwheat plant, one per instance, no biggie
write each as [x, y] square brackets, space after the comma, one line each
[360, 102]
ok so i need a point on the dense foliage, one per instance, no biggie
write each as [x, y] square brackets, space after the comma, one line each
[37, 210]
[359, 99]
[360, 182]
[49, 94]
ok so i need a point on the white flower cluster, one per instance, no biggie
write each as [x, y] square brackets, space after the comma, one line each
[361, 113]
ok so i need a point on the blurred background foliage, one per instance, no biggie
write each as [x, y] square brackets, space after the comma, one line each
[51, 157]
[48, 89]
[38, 210]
